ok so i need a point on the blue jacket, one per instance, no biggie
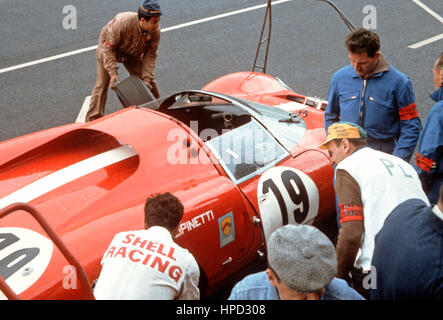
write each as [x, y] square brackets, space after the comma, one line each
[388, 110]
[257, 287]
[429, 158]
[408, 254]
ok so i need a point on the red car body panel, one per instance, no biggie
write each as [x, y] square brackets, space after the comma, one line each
[90, 181]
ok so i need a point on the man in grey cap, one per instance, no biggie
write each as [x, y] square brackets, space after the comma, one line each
[302, 264]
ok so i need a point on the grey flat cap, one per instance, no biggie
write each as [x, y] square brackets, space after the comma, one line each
[302, 257]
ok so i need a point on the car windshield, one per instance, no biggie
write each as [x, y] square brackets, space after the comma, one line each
[245, 137]
[287, 127]
[246, 150]
[215, 113]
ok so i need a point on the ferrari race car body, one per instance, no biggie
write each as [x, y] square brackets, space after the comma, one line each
[241, 154]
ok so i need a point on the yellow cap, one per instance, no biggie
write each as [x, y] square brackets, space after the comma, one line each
[340, 130]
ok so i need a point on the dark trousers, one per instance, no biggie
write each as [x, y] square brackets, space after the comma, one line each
[358, 279]
[100, 91]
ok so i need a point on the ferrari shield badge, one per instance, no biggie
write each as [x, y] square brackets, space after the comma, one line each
[226, 228]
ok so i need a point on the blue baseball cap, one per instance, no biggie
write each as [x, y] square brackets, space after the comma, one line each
[150, 8]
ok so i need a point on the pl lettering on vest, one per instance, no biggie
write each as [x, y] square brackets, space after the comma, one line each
[392, 169]
[154, 255]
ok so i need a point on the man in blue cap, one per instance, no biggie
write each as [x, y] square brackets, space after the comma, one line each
[132, 39]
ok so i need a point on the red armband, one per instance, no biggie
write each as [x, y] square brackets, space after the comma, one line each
[350, 213]
[426, 164]
[409, 112]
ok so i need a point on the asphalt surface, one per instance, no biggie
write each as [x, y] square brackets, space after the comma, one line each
[306, 49]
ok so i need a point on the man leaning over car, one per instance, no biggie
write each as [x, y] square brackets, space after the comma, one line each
[132, 39]
[369, 185]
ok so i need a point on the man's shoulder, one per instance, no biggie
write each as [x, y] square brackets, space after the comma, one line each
[395, 75]
[409, 209]
[255, 286]
[129, 234]
[357, 157]
[124, 19]
[126, 15]
[434, 118]
[346, 71]
[259, 279]
[436, 110]
[369, 154]
[338, 289]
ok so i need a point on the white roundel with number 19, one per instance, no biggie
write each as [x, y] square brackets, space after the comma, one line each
[286, 196]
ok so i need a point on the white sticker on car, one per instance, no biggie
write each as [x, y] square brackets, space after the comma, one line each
[286, 196]
[24, 256]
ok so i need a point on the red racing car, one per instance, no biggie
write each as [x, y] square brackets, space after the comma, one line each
[242, 155]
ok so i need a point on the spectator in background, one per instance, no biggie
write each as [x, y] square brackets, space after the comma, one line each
[368, 185]
[147, 264]
[408, 253]
[375, 95]
[301, 266]
[429, 158]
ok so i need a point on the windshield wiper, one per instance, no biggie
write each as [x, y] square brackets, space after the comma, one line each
[293, 118]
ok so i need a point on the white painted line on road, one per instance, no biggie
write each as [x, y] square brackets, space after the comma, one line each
[436, 16]
[427, 41]
[81, 118]
[59, 56]
[227, 14]
[428, 10]
[183, 25]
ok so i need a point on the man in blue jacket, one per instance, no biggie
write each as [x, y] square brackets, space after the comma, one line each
[408, 253]
[429, 160]
[375, 95]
